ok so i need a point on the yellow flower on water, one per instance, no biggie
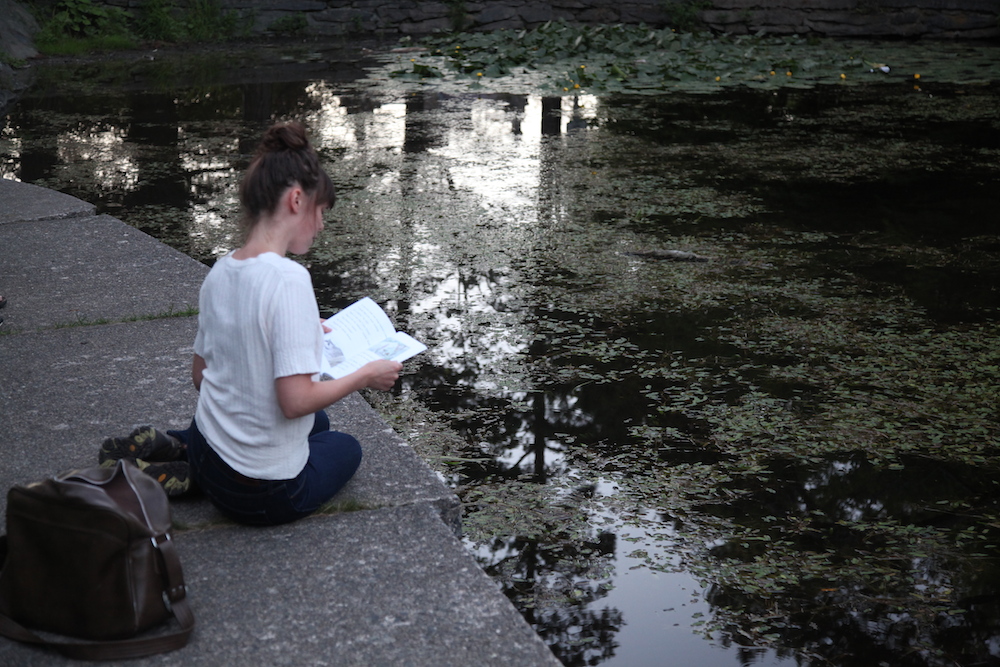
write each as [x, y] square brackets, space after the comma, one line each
[576, 85]
[479, 73]
[772, 72]
[565, 89]
[585, 67]
[718, 78]
[916, 76]
[788, 73]
[843, 76]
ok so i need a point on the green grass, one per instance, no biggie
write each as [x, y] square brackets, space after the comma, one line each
[189, 311]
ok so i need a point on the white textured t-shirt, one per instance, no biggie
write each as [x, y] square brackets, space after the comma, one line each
[258, 321]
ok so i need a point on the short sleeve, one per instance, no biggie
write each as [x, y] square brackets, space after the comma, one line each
[199, 343]
[296, 338]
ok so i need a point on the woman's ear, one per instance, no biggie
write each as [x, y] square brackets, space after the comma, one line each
[294, 198]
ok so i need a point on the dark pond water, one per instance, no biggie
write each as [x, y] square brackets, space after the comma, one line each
[782, 455]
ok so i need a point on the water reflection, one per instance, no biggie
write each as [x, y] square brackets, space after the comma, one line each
[853, 623]
[594, 389]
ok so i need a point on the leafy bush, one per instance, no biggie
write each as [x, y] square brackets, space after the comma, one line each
[157, 21]
[76, 26]
[84, 18]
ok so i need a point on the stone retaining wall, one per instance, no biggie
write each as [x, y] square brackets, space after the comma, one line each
[950, 19]
[16, 29]
[972, 19]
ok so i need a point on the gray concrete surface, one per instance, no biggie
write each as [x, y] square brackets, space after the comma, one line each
[97, 339]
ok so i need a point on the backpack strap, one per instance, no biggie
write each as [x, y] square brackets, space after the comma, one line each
[120, 649]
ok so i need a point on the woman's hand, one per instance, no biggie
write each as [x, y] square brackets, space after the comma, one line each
[382, 373]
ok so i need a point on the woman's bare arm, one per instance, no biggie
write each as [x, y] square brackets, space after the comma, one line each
[298, 395]
[198, 367]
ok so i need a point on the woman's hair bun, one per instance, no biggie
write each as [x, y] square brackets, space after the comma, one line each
[284, 136]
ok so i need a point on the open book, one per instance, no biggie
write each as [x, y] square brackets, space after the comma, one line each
[360, 333]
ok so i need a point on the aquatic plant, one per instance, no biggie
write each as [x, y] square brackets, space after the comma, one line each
[650, 61]
[756, 419]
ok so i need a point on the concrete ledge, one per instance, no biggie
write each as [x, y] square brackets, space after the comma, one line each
[23, 202]
[81, 269]
[389, 584]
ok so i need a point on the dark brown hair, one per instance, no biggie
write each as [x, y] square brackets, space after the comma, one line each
[283, 158]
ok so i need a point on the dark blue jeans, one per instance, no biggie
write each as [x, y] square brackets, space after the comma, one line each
[333, 459]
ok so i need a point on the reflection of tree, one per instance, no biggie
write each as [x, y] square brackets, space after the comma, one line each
[420, 134]
[554, 578]
[161, 180]
[540, 429]
[865, 567]
[554, 585]
[258, 110]
[855, 630]
[423, 130]
[37, 155]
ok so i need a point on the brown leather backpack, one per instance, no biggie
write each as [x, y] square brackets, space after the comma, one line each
[89, 555]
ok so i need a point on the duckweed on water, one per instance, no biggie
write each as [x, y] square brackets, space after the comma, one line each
[789, 350]
[648, 61]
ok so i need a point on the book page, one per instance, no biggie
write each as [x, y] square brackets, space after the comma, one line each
[360, 333]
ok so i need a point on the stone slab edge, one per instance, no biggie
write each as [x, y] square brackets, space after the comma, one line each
[24, 202]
